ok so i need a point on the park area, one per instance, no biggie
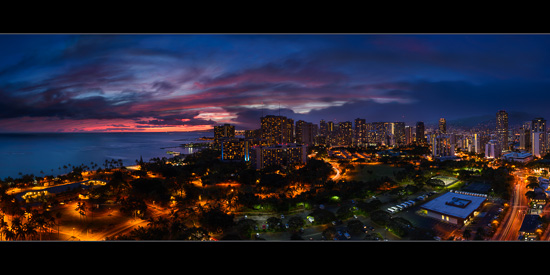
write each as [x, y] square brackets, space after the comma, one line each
[367, 172]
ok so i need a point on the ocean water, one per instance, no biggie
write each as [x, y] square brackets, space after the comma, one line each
[31, 153]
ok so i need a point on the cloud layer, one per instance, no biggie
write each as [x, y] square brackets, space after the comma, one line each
[192, 82]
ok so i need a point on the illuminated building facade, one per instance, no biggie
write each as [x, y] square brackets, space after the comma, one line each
[223, 131]
[408, 135]
[360, 131]
[454, 207]
[235, 149]
[442, 126]
[298, 130]
[281, 154]
[277, 129]
[308, 133]
[398, 133]
[323, 128]
[502, 129]
[525, 136]
[480, 140]
[538, 137]
[441, 146]
[376, 133]
[420, 135]
[492, 149]
[345, 133]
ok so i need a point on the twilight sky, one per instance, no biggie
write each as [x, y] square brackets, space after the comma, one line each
[182, 82]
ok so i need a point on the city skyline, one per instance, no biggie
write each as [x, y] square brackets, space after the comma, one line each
[188, 82]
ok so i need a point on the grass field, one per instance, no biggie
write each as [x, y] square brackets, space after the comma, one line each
[366, 172]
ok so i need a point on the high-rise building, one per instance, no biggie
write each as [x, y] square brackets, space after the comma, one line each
[298, 130]
[538, 124]
[288, 134]
[502, 129]
[223, 131]
[360, 131]
[281, 154]
[479, 141]
[408, 135]
[345, 133]
[442, 126]
[420, 135]
[323, 128]
[399, 133]
[492, 149]
[235, 149]
[277, 129]
[331, 133]
[389, 139]
[538, 137]
[441, 146]
[525, 138]
[307, 133]
[376, 133]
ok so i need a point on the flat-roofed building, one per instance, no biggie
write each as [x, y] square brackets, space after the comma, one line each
[281, 154]
[454, 207]
[522, 157]
[235, 149]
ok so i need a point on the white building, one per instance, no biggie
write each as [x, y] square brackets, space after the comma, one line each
[492, 149]
[454, 207]
[522, 157]
[442, 146]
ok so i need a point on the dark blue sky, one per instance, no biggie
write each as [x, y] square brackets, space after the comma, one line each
[58, 82]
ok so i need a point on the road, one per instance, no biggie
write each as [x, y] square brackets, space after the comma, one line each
[509, 229]
[99, 230]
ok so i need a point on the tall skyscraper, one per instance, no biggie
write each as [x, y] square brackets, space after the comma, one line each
[399, 133]
[492, 149]
[277, 129]
[345, 133]
[305, 132]
[331, 133]
[223, 131]
[298, 130]
[420, 135]
[408, 135]
[502, 129]
[442, 126]
[323, 128]
[360, 131]
[441, 146]
[538, 137]
[480, 140]
[376, 133]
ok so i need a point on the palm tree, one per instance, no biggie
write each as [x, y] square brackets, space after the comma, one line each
[3, 225]
[9, 234]
[29, 229]
[40, 221]
[81, 208]
[17, 228]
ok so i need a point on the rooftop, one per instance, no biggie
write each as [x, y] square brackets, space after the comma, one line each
[518, 155]
[455, 204]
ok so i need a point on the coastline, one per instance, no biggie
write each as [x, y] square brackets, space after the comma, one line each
[42, 154]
